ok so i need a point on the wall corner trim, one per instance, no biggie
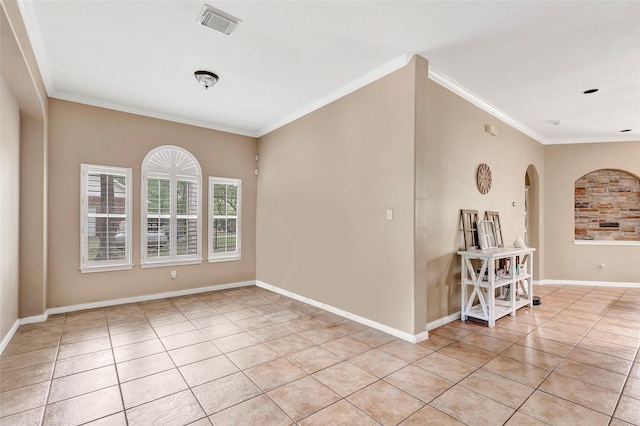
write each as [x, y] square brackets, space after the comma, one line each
[9, 336]
[412, 338]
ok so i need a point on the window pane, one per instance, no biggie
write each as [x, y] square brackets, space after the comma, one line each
[225, 212]
[158, 217]
[158, 196]
[219, 199]
[231, 235]
[187, 242]
[187, 218]
[105, 220]
[232, 200]
[219, 235]
[106, 198]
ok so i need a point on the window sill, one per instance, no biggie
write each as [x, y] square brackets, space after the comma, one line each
[605, 243]
[224, 259]
[170, 263]
[91, 269]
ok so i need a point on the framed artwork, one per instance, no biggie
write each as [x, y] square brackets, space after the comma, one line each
[486, 235]
[497, 229]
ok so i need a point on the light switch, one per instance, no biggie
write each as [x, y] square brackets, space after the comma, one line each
[389, 214]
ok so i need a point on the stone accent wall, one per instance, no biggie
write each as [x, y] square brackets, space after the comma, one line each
[607, 206]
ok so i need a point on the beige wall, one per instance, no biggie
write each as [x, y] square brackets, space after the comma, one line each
[9, 207]
[326, 181]
[84, 134]
[564, 164]
[457, 144]
[20, 71]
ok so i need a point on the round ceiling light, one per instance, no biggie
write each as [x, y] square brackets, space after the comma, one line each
[590, 91]
[206, 78]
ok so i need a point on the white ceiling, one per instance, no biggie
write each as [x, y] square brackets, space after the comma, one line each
[528, 62]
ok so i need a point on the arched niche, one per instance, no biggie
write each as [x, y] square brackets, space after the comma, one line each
[607, 206]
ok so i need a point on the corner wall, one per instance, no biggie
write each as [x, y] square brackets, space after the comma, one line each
[9, 208]
[564, 164]
[457, 145]
[21, 74]
[326, 181]
[85, 134]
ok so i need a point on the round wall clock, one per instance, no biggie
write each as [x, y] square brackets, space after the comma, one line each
[483, 178]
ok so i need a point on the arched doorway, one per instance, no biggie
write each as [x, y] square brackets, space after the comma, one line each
[531, 218]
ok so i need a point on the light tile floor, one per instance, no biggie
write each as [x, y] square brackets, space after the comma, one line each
[249, 356]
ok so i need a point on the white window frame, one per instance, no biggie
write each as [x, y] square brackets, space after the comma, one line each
[86, 265]
[229, 255]
[175, 164]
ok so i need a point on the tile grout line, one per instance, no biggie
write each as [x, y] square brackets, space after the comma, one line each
[115, 366]
[552, 370]
[624, 385]
[568, 354]
[611, 305]
[55, 361]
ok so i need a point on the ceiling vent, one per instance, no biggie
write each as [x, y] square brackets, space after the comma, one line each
[217, 20]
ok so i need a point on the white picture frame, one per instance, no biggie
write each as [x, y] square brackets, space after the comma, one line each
[486, 235]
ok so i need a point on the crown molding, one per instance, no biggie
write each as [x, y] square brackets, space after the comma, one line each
[448, 83]
[150, 114]
[356, 84]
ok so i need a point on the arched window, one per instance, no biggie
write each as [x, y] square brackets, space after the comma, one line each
[171, 208]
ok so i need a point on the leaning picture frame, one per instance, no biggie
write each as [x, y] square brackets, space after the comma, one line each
[486, 235]
[497, 228]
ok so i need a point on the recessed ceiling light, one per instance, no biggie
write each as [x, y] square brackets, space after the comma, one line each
[588, 92]
[625, 130]
[206, 78]
[555, 122]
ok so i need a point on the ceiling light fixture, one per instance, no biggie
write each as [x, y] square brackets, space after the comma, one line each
[206, 78]
[555, 122]
[625, 130]
[590, 91]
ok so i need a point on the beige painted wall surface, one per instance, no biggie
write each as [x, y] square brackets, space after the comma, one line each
[21, 73]
[457, 145]
[85, 134]
[326, 181]
[9, 207]
[564, 260]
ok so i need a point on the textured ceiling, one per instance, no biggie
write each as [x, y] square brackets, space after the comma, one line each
[527, 62]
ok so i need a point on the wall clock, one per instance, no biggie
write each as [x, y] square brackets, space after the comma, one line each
[483, 178]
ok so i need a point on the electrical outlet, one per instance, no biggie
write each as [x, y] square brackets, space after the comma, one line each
[174, 274]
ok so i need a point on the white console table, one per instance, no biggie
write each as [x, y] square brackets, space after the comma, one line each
[480, 274]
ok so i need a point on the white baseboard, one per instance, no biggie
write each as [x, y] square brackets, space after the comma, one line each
[134, 299]
[9, 336]
[442, 321]
[412, 338]
[35, 318]
[145, 298]
[588, 283]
